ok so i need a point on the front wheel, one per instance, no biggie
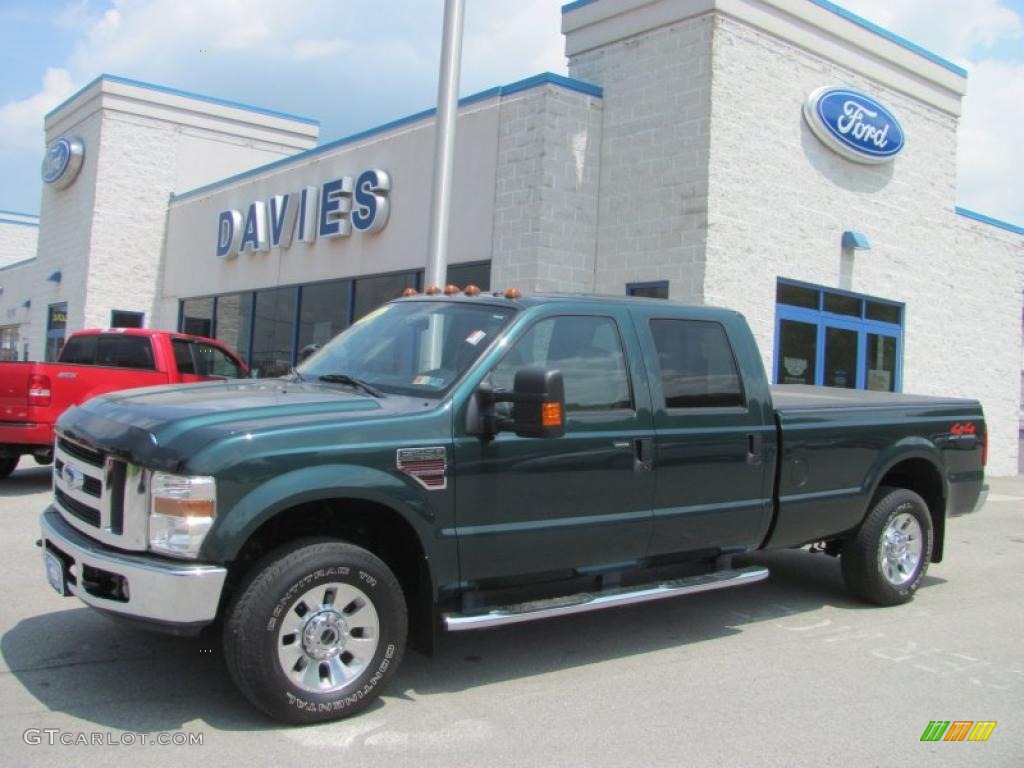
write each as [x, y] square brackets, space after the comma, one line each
[317, 631]
[886, 559]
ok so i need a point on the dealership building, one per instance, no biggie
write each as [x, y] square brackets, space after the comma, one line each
[782, 157]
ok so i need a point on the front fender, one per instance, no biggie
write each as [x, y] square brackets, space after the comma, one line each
[331, 481]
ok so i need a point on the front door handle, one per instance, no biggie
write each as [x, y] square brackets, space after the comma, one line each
[643, 454]
[754, 448]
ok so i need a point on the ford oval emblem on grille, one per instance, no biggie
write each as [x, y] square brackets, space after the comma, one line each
[72, 477]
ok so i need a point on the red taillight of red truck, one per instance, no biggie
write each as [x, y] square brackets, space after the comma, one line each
[38, 389]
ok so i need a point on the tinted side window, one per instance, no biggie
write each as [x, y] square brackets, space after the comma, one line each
[183, 355]
[135, 352]
[587, 351]
[213, 361]
[80, 350]
[696, 364]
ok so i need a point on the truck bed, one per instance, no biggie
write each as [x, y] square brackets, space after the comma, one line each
[802, 397]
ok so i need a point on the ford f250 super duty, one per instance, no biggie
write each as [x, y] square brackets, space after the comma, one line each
[93, 362]
[455, 462]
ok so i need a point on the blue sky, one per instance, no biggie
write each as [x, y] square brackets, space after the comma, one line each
[353, 66]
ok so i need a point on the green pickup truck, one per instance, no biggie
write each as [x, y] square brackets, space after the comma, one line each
[463, 461]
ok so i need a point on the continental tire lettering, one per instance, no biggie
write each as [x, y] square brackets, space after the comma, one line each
[286, 598]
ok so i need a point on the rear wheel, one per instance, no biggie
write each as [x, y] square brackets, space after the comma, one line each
[7, 465]
[889, 555]
[317, 631]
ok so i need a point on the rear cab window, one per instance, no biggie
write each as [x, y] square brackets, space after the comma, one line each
[696, 365]
[112, 350]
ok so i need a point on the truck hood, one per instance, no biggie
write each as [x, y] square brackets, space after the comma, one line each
[160, 427]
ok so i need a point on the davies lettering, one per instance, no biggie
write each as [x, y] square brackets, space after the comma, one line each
[853, 125]
[334, 209]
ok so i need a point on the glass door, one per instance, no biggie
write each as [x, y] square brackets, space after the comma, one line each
[841, 356]
[881, 361]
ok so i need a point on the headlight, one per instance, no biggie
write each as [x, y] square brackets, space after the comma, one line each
[181, 511]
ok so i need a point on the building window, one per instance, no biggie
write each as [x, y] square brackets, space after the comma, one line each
[656, 290]
[478, 274]
[9, 342]
[120, 318]
[323, 314]
[837, 339]
[233, 321]
[273, 331]
[371, 292]
[56, 325]
[197, 317]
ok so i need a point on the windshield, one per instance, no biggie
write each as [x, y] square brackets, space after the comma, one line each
[412, 348]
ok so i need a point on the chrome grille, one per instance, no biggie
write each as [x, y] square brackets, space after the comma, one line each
[102, 496]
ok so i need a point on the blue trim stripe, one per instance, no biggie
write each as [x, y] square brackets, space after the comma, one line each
[20, 223]
[14, 264]
[849, 16]
[546, 78]
[570, 7]
[881, 31]
[186, 94]
[989, 220]
[19, 213]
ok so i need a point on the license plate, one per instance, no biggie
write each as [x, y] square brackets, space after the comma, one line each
[55, 572]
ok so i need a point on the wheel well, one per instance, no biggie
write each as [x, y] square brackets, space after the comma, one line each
[374, 527]
[923, 478]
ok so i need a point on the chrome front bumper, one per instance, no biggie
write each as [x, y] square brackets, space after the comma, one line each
[135, 586]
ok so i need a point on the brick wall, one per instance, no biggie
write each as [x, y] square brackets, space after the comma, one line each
[545, 204]
[652, 214]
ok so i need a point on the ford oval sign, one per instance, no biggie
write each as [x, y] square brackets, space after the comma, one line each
[63, 161]
[853, 124]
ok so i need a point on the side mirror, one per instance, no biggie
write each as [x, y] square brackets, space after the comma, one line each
[538, 406]
[538, 403]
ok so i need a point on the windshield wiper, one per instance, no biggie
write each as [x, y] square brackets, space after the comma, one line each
[344, 378]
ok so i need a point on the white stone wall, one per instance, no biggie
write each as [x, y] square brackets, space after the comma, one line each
[18, 236]
[652, 214]
[779, 201]
[546, 190]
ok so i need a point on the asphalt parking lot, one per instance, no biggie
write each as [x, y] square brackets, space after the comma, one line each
[788, 672]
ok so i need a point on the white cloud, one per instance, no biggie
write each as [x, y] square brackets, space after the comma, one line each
[991, 154]
[526, 39]
[308, 48]
[21, 122]
[955, 29]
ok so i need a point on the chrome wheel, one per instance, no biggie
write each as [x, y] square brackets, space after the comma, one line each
[328, 637]
[899, 555]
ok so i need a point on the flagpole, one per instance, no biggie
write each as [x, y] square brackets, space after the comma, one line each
[444, 143]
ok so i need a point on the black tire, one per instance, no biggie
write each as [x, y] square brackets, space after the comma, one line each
[7, 465]
[867, 570]
[256, 636]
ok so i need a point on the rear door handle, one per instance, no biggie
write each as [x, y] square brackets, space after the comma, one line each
[643, 454]
[754, 448]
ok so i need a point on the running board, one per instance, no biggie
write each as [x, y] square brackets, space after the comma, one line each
[562, 606]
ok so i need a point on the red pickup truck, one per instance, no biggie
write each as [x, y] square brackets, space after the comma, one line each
[93, 362]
